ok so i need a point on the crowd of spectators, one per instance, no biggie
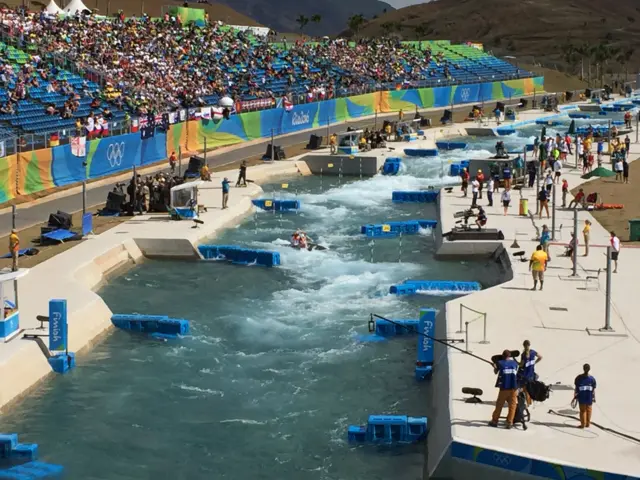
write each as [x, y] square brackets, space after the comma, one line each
[151, 65]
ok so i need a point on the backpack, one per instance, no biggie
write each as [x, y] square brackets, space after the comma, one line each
[537, 390]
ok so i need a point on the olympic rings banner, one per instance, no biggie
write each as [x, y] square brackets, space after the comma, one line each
[106, 156]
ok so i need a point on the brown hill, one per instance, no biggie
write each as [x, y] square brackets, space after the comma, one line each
[532, 30]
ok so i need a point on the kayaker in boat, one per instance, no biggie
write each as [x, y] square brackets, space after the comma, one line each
[295, 239]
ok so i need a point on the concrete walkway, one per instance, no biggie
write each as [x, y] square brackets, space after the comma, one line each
[562, 322]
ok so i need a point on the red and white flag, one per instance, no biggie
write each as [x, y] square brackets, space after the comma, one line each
[78, 146]
[288, 106]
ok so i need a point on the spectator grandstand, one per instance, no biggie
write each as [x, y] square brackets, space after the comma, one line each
[59, 73]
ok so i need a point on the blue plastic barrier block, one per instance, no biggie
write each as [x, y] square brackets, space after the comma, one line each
[391, 166]
[421, 152]
[398, 327]
[161, 325]
[418, 428]
[26, 452]
[357, 434]
[282, 205]
[451, 145]
[423, 373]
[505, 131]
[419, 196]
[393, 229]
[238, 255]
[604, 113]
[8, 442]
[579, 115]
[40, 470]
[411, 287]
[617, 122]
[426, 326]
[10, 324]
[62, 362]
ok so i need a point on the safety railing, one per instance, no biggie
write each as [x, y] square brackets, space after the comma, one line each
[481, 315]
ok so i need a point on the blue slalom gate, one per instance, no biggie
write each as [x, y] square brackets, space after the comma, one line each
[391, 166]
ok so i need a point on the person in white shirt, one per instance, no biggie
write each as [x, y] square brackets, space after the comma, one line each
[615, 247]
[619, 168]
[490, 188]
[475, 188]
[557, 168]
[506, 199]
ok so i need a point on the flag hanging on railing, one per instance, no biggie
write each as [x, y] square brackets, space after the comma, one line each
[3, 150]
[148, 128]
[79, 146]
[54, 139]
[288, 106]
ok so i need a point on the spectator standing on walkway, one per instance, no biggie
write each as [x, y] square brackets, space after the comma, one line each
[14, 249]
[619, 168]
[545, 238]
[480, 178]
[537, 266]
[586, 234]
[543, 199]
[625, 170]
[585, 395]
[490, 188]
[557, 169]
[506, 199]
[548, 182]
[172, 163]
[615, 247]
[242, 175]
[565, 191]
[627, 146]
[475, 187]
[225, 192]
[464, 176]
[507, 370]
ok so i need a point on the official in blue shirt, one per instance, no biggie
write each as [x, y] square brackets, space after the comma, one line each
[225, 192]
[528, 362]
[507, 370]
[585, 394]
[506, 175]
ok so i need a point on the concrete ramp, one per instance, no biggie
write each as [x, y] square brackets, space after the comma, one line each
[481, 132]
[303, 168]
[167, 248]
[351, 165]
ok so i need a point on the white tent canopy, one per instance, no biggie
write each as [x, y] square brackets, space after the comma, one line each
[75, 6]
[53, 8]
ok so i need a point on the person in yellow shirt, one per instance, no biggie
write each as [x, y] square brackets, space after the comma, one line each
[537, 266]
[204, 173]
[333, 140]
[14, 249]
[586, 233]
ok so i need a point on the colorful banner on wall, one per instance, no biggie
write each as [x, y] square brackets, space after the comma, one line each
[40, 170]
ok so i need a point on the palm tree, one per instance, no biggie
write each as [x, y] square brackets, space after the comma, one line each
[355, 23]
[623, 59]
[316, 18]
[302, 21]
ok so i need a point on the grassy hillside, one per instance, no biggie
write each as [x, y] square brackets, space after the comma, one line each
[539, 30]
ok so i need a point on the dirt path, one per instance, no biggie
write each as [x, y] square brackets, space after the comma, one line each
[611, 191]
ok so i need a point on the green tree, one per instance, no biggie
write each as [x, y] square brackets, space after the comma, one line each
[355, 23]
[386, 27]
[316, 18]
[302, 21]
[623, 58]
[421, 31]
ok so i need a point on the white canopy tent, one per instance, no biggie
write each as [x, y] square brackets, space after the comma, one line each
[53, 8]
[75, 6]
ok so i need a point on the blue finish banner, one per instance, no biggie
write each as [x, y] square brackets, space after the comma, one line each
[58, 325]
[426, 326]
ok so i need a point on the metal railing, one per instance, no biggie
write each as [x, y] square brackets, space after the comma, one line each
[482, 315]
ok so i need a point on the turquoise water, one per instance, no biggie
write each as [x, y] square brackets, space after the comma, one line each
[273, 371]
